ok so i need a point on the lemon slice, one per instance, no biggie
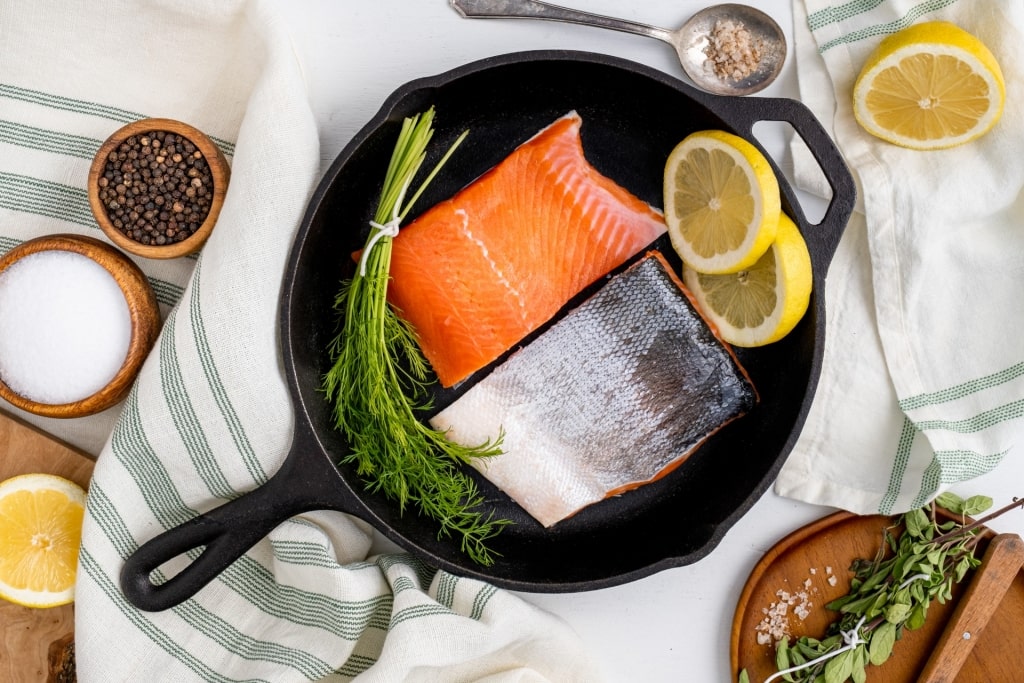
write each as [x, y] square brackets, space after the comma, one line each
[763, 303]
[930, 86]
[40, 533]
[721, 202]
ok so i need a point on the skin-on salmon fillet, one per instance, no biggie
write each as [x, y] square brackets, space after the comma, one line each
[614, 395]
[480, 271]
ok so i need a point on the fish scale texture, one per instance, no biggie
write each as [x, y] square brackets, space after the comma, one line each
[614, 395]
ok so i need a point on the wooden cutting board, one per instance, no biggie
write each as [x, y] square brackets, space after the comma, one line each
[804, 561]
[27, 636]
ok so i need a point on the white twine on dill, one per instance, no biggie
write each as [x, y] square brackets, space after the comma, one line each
[851, 638]
[389, 229]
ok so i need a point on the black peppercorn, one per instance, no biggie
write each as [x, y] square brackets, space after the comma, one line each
[149, 171]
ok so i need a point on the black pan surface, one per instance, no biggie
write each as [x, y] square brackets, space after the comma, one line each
[632, 118]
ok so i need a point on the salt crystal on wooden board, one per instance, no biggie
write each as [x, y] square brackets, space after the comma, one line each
[64, 327]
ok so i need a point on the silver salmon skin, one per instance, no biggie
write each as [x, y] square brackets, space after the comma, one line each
[614, 395]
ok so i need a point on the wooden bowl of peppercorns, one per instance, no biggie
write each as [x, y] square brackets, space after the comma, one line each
[156, 187]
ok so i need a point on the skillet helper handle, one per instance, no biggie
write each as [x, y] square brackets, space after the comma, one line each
[999, 567]
[822, 238]
[225, 533]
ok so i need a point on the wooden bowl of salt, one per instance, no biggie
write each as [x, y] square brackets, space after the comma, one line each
[77, 320]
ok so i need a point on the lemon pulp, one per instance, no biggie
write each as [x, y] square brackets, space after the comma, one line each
[761, 304]
[721, 201]
[930, 86]
[40, 534]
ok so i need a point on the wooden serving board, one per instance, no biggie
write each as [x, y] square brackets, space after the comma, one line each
[27, 634]
[835, 541]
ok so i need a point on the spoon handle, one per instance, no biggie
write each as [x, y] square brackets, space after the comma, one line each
[532, 9]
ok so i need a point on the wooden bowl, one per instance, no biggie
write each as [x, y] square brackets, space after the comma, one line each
[219, 170]
[143, 312]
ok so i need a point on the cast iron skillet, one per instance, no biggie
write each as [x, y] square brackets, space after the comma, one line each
[632, 117]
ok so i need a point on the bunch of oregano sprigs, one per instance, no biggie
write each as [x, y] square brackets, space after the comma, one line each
[891, 592]
[377, 383]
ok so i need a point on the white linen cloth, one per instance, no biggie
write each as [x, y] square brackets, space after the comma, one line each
[210, 417]
[923, 381]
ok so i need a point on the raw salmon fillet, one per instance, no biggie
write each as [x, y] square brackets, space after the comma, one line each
[614, 395]
[480, 271]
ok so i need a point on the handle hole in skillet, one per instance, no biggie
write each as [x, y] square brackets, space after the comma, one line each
[787, 148]
[174, 566]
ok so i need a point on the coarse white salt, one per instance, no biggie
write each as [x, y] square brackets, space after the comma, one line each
[64, 327]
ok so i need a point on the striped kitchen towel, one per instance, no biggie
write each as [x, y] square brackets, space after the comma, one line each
[209, 417]
[923, 381]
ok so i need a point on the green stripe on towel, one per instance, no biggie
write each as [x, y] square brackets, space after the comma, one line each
[48, 140]
[87, 108]
[202, 620]
[185, 419]
[964, 389]
[46, 198]
[144, 625]
[837, 13]
[979, 422]
[231, 419]
[887, 28]
[899, 467]
[68, 104]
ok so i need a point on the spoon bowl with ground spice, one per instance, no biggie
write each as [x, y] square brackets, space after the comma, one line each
[156, 187]
[728, 49]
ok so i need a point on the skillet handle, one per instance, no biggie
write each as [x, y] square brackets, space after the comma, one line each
[225, 533]
[823, 239]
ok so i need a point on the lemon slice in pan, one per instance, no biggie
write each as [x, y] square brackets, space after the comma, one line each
[763, 303]
[721, 202]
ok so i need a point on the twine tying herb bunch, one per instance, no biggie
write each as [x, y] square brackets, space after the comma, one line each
[378, 380]
[889, 593]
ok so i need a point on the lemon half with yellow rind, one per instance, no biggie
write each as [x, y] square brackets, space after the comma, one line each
[40, 535]
[721, 202]
[929, 86]
[763, 303]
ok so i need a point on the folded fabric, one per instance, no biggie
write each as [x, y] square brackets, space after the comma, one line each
[923, 380]
[209, 417]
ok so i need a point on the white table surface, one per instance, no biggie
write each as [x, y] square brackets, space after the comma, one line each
[675, 625]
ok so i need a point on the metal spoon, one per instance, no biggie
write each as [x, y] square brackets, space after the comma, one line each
[690, 40]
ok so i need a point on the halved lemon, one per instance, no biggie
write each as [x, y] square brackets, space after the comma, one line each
[763, 303]
[40, 534]
[721, 202]
[930, 86]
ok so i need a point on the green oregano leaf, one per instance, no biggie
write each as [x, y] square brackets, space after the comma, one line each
[897, 613]
[950, 501]
[839, 668]
[859, 673]
[976, 504]
[962, 567]
[744, 677]
[917, 616]
[882, 641]
[891, 592]
[917, 521]
[782, 655]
